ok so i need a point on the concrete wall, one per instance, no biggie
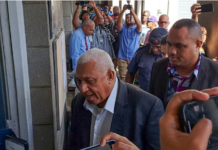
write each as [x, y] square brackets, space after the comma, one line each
[210, 21]
[41, 73]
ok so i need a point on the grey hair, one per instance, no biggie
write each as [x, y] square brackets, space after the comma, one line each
[146, 11]
[87, 22]
[103, 61]
[193, 27]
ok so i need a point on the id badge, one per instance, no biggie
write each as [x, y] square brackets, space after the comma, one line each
[101, 39]
[90, 38]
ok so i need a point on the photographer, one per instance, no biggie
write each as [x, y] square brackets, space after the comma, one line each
[83, 16]
[129, 39]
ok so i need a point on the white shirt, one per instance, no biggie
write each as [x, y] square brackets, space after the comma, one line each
[102, 117]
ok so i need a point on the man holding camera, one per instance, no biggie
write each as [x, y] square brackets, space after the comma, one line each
[129, 39]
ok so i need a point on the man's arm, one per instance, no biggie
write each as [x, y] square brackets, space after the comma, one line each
[129, 77]
[98, 14]
[137, 21]
[75, 17]
[195, 12]
[120, 18]
[74, 48]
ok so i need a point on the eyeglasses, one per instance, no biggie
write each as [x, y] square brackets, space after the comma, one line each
[204, 33]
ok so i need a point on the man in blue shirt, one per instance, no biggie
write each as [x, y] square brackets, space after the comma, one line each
[129, 39]
[145, 57]
[79, 41]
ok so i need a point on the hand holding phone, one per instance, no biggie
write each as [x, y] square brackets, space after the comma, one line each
[191, 113]
[170, 126]
[206, 8]
[110, 143]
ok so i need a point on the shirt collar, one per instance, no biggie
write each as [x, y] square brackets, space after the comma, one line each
[82, 32]
[172, 70]
[110, 104]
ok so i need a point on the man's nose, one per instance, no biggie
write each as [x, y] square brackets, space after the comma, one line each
[83, 87]
[172, 50]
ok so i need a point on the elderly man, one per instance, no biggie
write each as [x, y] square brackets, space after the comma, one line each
[129, 39]
[144, 59]
[151, 24]
[164, 21]
[108, 104]
[79, 42]
[186, 68]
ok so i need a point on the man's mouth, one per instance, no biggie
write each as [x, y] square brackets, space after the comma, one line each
[89, 97]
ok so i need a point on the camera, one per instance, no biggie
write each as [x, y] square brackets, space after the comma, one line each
[190, 113]
[82, 3]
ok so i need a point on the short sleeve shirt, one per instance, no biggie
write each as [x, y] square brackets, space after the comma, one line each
[129, 42]
[143, 61]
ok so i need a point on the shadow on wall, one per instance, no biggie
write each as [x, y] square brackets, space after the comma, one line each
[210, 21]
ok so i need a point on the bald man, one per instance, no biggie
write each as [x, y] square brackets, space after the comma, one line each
[185, 68]
[107, 104]
[164, 21]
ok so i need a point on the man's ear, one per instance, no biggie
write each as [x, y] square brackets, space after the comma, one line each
[111, 75]
[199, 44]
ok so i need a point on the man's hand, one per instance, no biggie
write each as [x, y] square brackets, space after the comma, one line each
[92, 3]
[122, 142]
[132, 10]
[194, 11]
[172, 137]
[125, 7]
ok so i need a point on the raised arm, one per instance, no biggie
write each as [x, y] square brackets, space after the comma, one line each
[195, 12]
[120, 18]
[137, 21]
[98, 14]
[75, 17]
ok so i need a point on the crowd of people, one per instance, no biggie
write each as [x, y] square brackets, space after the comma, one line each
[109, 53]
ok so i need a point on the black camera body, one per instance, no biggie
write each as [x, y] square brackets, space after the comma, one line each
[129, 6]
[82, 3]
[190, 113]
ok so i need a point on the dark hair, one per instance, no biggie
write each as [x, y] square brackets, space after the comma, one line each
[193, 27]
[128, 14]
[82, 13]
[164, 40]
[116, 14]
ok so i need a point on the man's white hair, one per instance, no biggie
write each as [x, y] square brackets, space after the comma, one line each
[102, 59]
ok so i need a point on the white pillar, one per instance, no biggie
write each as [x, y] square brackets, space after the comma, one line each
[139, 9]
[115, 3]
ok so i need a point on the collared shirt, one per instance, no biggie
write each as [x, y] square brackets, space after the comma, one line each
[178, 83]
[143, 61]
[77, 45]
[129, 42]
[99, 39]
[143, 35]
[102, 117]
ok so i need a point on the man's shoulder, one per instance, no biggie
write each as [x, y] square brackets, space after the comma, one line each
[143, 49]
[210, 63]
[140, 96]
[78, 101]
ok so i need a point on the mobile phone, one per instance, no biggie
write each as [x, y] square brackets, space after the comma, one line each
[206, 7]
[110, 143]
[190, 113]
